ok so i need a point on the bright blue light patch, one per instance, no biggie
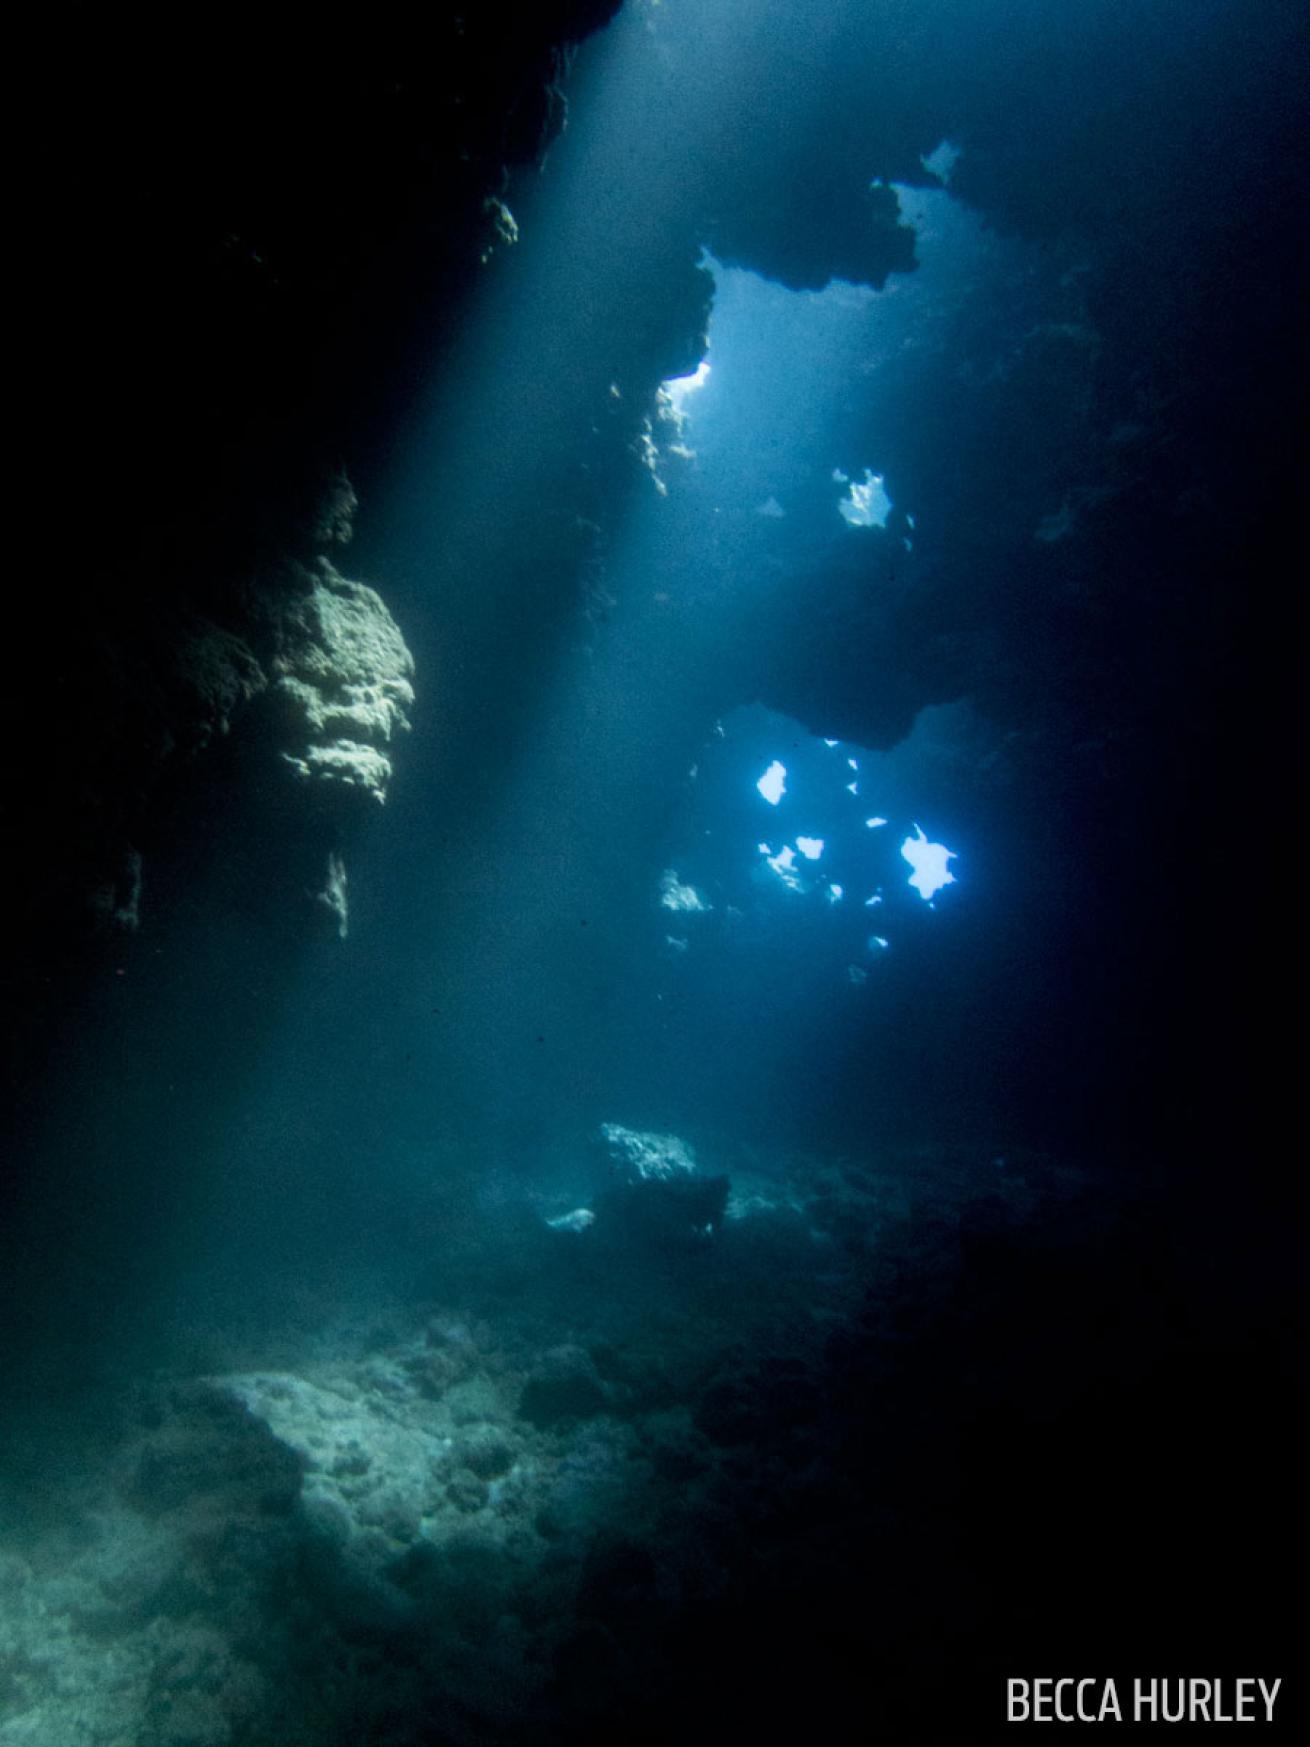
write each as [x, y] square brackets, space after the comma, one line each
[854, 763]
[874, 823]
[866, 504]
[852, 788]
[877, 943]
[676, 895]
[810, 847]
[773, 784]
[832, 743]
[875, 899]
[679, 387]
[784, 865]
[929, 863]
[835, 894]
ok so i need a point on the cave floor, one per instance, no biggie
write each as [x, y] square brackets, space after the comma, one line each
[562, 1471]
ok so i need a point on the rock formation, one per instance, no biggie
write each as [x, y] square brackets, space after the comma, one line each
[344, 673]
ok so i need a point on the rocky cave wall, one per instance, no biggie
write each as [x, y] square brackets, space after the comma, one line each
[235, 248]
[1105, 506]
[1103, 484]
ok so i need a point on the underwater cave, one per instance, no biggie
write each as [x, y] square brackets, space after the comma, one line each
[646, 1087]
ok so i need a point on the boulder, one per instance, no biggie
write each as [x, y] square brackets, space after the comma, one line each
[564, 1385]
[656, 1191]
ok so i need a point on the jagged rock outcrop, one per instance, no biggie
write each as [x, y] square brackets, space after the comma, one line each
[657, 1192]
[317, 682]
[345, 675]
[217, 674]
[219, 319]
[333, 895]
[639, 1157]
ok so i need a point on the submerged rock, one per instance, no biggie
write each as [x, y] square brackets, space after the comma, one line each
[215, 1456]
[333, 896]
[371, 1471]
[345, 673]
[485, 1452]
[643, 1157]
[579, 1220]
[564, 1385]
[657, 1192]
